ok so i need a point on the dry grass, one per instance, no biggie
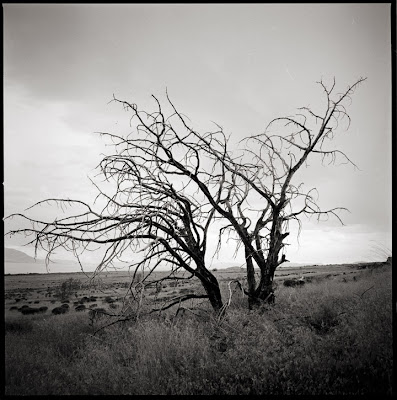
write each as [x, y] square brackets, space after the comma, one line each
[329, 337]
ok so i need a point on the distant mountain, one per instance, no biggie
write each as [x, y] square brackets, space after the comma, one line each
[16, 256]
[295, 265]
[242, 267]
[226, 265]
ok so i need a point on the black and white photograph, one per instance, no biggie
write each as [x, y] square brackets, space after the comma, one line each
[198, 198]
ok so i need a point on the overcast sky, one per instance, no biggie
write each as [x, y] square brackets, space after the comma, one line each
[238, 65]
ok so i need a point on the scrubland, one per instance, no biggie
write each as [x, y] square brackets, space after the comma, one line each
[330, 336]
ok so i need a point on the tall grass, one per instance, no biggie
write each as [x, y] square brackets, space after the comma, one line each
[331, 337]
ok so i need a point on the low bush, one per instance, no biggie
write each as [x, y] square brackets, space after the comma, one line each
[293, 282]
[30, 310]
[84, 299]
[97, 312]
[60, 310]
[108, 299]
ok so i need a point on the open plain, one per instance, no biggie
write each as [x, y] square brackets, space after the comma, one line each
[330, 335]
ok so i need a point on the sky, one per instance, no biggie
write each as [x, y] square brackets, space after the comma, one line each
[238, 65]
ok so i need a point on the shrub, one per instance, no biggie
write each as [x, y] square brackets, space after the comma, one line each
[60, 310]
[98, 310]
[84, 299]
[108, 299]
[29, 310]
[293, 282]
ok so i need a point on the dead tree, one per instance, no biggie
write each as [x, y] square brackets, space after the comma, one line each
[263, 175]
[153, 209]
[272, 160]
[172, 182]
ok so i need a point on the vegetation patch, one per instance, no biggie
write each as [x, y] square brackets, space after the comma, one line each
[327, 338]
[60, 310]
[293, 282]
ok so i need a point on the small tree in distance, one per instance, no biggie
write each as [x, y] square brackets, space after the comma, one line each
[172, 182]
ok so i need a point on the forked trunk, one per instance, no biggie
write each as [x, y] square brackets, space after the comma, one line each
[264, 293]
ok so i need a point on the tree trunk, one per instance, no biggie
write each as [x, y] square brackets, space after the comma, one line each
[264, 293]
[211, 286]
[250, 279]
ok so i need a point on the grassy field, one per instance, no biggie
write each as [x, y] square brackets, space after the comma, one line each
[331, 336]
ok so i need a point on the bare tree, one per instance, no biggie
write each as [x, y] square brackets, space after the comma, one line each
[254, 191]
[153, 209]
[173, 182]
[263, 210]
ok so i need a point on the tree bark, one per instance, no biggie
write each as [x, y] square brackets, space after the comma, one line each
[264, 293]
[211, 287]
[250, 278]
